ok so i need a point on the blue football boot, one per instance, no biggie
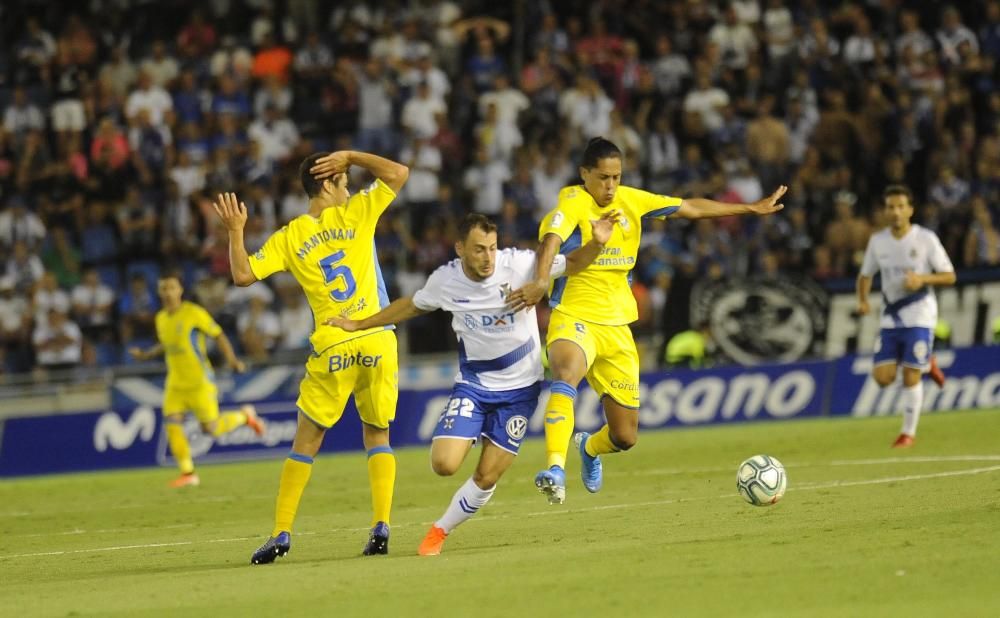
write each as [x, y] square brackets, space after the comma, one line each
[591, 470]
[274, 547]
[378, 540]
[552, 483]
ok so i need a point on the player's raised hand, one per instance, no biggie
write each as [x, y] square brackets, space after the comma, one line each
[770, 204]
[603, 227]
[231, 210]
[863, 308]
[526, 296]
[344, 324]
[331, 165]
[137, 353]
[238, 366]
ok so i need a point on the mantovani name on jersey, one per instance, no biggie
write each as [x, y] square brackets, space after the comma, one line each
[323, 236]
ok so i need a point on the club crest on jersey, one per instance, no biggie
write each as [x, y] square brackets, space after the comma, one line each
[517, 426]
[557, 219]
[259, 255]
[623, 221]
[471, 322]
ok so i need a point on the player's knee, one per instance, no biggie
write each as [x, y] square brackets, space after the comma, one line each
[883, 378]
[624, 440]
[444, 466]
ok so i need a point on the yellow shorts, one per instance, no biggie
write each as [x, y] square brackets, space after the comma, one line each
[612, 358]
[202, 401]
[366, 366]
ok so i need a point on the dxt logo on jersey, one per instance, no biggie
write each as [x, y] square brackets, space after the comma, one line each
[503, 319]
[346, 361]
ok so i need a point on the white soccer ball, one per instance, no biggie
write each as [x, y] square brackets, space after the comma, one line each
[761, 480]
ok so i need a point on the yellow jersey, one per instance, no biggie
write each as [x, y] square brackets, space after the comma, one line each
[602, 292]
[333, 259]
[182, 335]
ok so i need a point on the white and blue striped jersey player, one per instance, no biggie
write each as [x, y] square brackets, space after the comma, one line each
[500, 362]
[908, 318]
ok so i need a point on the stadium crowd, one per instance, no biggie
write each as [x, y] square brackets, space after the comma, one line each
[122, 119]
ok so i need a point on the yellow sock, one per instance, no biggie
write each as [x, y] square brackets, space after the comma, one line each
[179, 446]
[229, 421]
[294, 476]
[559, 422]
[382, 477]
[599, 443]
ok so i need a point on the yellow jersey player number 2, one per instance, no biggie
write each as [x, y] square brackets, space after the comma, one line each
[331, 253]
[588, 333]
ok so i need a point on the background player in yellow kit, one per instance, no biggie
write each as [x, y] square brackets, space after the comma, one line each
[331, 253]
[181, 327]
[588, 332]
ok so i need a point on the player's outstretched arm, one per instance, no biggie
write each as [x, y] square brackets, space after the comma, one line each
[227, 352]
[141, 355]
[914, 281]
[584, 256]
[390, 172]
[530, 293]
[701, 208]
[863, 287]
[234, 215]
[399, 310]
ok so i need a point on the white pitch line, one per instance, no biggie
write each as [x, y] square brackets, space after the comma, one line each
[604, 507]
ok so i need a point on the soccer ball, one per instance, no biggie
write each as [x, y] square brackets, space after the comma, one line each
[761, 480]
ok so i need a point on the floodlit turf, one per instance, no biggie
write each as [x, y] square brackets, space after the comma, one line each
[863, 531]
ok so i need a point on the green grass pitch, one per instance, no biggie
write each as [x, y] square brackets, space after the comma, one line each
[863, 531]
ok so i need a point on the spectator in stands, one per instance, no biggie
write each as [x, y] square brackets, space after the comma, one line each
[953, 34]
[259, 329]
[484, 180]
[982, 245]
[61, 257]
[15, 328]
[275, 133]
[161, 67]
[196, 38]
[151, 97]
[272, 59]
[847, 234]
[420, 111]
[58, 342]
[231, 60]
[19, 224]
[137, 310]
[22, 116]
[949, 191]
[137, 224]
[101, 247]
[93, 303]
[24, 268]
[295, 318]
[48, 296]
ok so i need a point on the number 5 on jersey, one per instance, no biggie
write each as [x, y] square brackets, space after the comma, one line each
[331, 272]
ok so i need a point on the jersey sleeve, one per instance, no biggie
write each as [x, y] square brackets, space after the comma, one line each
[271, 258]
[652, 205]
[428, 298]
[938, 257]
[869, 266]
[558, 266]
[563, 219]
[373, 200]
[206, 323]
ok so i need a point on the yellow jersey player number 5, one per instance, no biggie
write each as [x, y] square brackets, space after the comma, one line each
[331, 253]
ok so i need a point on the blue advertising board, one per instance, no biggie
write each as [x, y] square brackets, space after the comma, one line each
[130, 434]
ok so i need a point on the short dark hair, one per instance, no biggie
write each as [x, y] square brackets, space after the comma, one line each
[892, 190]
[310, 183]
[475, 221]
[599, 148]
[172, 274]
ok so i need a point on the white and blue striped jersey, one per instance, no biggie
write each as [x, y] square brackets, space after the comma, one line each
[919, 251]
[498, 349]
